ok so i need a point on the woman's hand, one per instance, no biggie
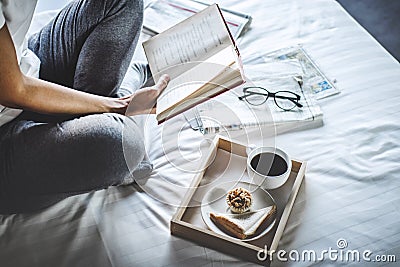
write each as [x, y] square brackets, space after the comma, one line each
[144, 100]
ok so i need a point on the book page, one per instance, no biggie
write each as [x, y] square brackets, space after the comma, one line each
[193, 40]
[190, 81]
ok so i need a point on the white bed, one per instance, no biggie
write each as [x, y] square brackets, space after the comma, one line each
[352, 184]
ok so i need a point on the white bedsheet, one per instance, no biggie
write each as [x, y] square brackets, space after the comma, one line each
[352, 184]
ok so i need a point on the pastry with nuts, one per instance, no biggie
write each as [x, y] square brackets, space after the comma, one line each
[239, 200]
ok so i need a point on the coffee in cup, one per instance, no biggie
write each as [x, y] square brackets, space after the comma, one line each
[268, 167]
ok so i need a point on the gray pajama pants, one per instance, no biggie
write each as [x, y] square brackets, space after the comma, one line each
[43, 159]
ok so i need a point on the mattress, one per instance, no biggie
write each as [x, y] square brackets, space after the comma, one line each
[350, 195]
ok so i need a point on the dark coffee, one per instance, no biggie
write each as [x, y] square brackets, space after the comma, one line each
[269, 164]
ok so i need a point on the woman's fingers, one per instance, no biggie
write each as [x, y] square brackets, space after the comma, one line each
[153, 110]
[162, 83]
[144, 100]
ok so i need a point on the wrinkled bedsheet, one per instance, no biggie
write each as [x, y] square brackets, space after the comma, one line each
[351, 190]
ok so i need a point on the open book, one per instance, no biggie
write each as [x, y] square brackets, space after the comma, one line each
[201, 58]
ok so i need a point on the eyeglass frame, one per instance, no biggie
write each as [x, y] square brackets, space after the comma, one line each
[295, 101]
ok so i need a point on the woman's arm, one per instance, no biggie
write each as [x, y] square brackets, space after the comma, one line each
[28, 93]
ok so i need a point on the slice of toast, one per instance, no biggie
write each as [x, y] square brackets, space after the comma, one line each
[245, 224]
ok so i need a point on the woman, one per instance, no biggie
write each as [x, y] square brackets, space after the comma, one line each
[61, 128]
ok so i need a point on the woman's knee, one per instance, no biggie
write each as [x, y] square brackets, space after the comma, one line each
[133, 143]
[134, 14]
[120, 131]
[112, 138]
[131, 10]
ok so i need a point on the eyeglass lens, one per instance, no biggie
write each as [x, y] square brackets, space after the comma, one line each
[256, 96]
[282, 101]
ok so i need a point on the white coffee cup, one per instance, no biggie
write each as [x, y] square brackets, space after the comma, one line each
[270, 172]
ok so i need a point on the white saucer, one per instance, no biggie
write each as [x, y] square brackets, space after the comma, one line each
[215, 201]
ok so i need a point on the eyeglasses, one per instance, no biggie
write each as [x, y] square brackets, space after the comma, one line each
[256, 96]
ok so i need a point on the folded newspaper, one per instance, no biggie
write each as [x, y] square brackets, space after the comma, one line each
[160, 15]
[275, 71]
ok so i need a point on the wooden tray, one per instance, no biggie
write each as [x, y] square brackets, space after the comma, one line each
[226, 161]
